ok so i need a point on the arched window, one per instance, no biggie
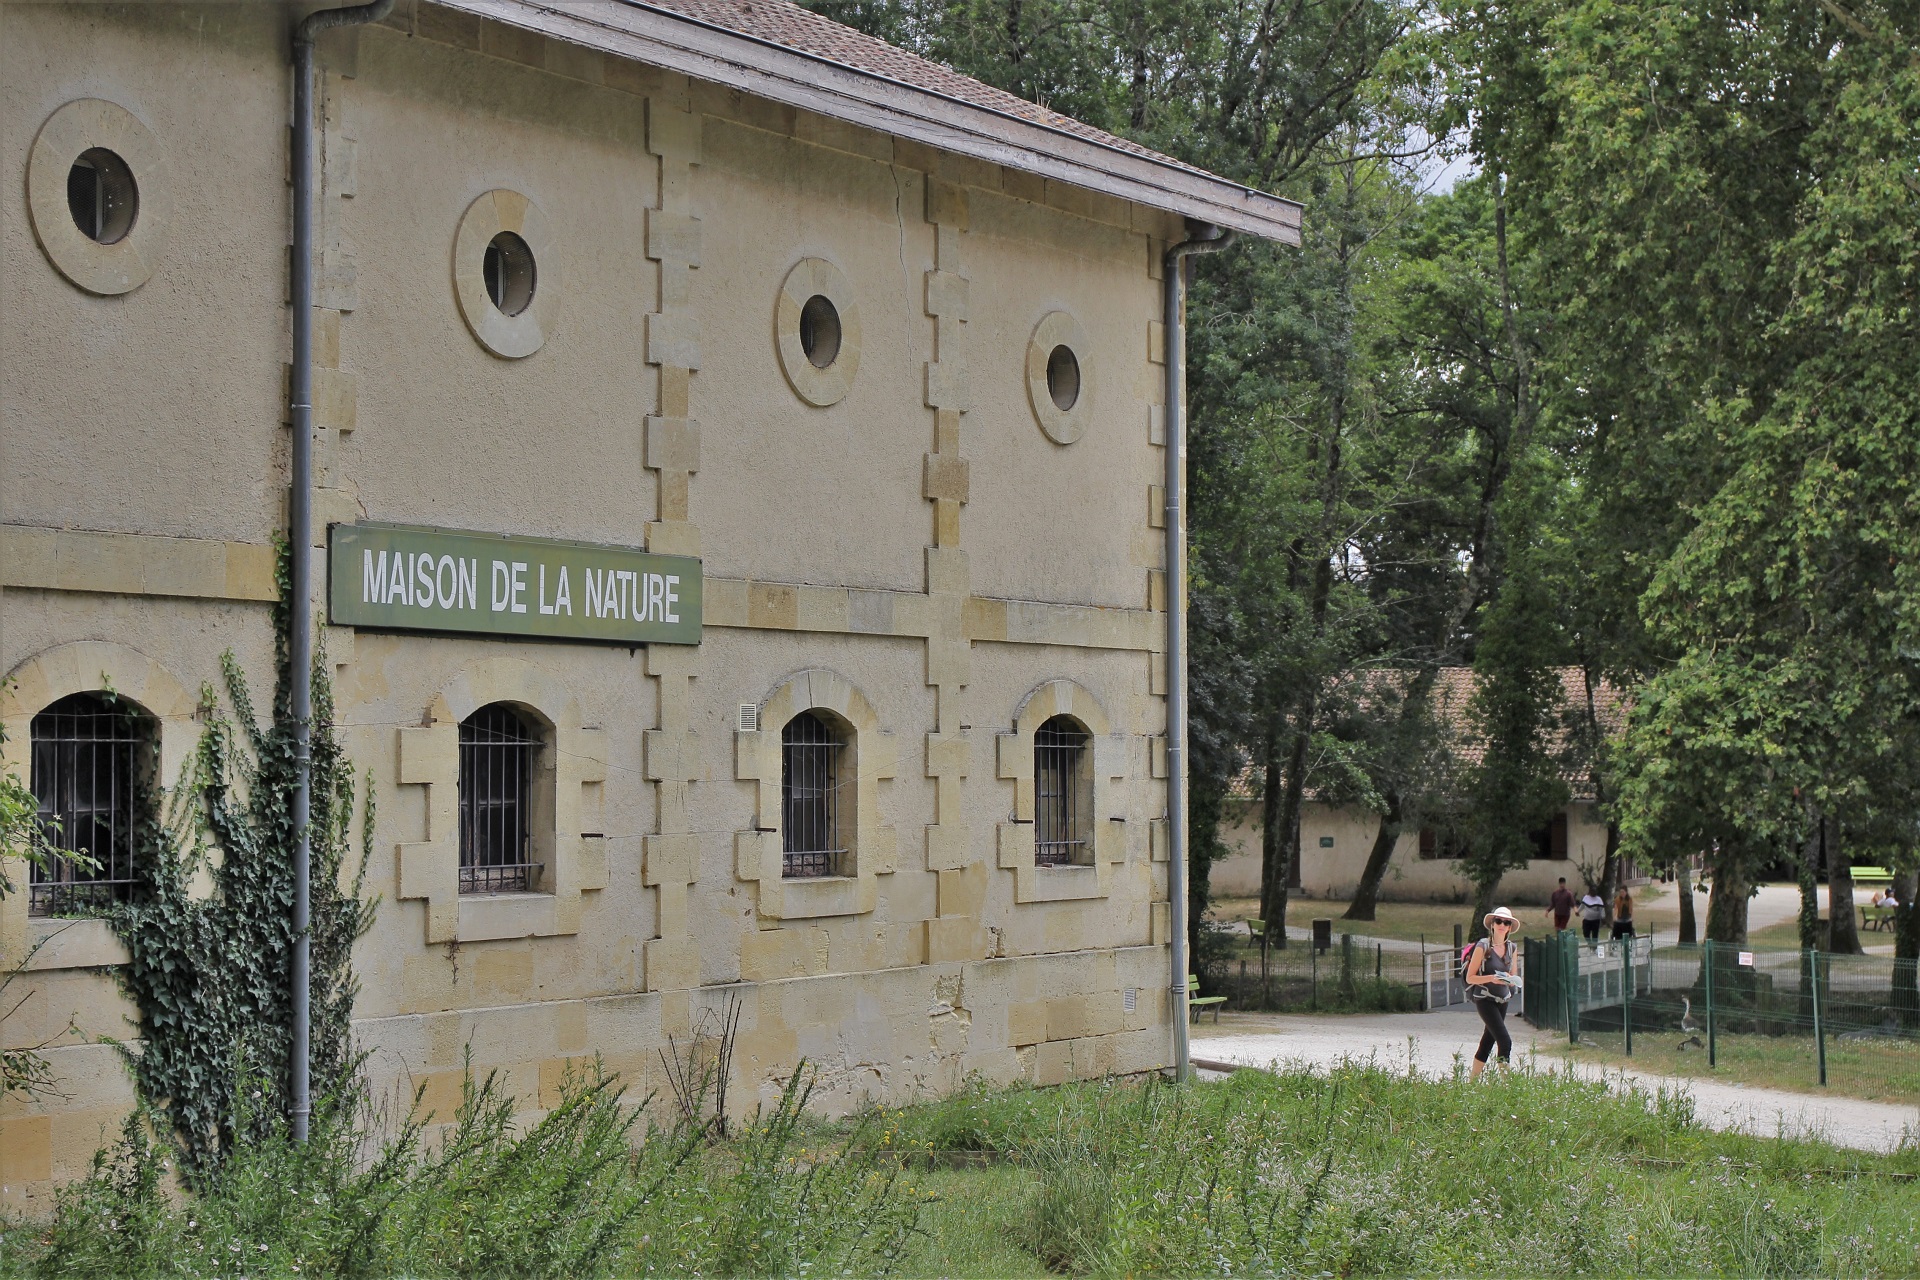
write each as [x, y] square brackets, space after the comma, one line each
[1062, 794]
[91, 753]
[498, 758]
[815, 804]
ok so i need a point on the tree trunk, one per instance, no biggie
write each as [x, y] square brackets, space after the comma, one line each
[1683, 882]
[1727, 907]
[1366, 895]
[1199, 899]
[1282, 846]
[1906, 949]
[1483, 903]
[1610, 867]
[1807, 874]
[1272, 845]
[1843, 928]
[1138, 117]
[1419, 689]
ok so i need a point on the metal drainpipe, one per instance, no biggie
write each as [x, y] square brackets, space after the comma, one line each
[300, 536]
[1206, 238]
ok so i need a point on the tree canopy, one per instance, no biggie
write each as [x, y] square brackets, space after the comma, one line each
[1632, 397]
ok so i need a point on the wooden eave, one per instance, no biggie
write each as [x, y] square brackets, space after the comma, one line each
[662, 38]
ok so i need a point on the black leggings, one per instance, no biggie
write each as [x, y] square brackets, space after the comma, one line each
[1494, 1014]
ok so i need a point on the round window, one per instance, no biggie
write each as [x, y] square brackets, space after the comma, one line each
[102, 196]
[1063, 377]
[816, 331]
[98, 192]
[1060, 386]
[510, 273]
[820, 331]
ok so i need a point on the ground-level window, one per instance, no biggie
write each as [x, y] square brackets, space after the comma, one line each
[1550, 841]
[87, 753]
[497, 756]
[813, 798]
[1442, 842]
[1062, 794]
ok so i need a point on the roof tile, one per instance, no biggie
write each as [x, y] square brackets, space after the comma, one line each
[786, 24]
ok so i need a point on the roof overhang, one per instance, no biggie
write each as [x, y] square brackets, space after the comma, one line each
[660, 37]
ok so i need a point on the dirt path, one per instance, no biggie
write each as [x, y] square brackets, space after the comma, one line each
[1435, 1042]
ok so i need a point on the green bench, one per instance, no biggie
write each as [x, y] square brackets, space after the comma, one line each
[1878, 918]
[1872, 875]
[1196, 1001]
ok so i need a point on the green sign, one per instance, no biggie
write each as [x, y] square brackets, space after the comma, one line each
[409, 578]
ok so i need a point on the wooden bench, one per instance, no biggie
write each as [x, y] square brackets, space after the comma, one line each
[1196, 1001]
[1872, 875]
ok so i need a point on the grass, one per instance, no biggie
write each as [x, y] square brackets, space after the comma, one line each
[965, 1228]
[1361, 1170]
[1406, 921]
[1364, 1170]
[1878, 1070]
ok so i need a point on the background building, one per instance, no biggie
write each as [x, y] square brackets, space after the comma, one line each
[1336, 840]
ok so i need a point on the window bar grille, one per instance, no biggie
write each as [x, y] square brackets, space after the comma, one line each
[810, 799]
[1059, 835]
[496, 756]
[83, 758]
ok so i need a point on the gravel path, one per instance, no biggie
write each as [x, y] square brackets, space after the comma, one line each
[1436, 1041]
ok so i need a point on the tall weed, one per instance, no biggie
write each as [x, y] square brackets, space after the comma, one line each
[583, 1191]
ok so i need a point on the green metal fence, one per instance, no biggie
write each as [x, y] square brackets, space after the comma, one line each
[1701, 997]
[1351, 973]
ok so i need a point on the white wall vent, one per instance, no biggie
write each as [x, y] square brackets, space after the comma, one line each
[1130, 999]
[749, 717]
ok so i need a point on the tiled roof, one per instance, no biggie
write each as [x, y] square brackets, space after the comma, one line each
[779, 52]
[784, 23]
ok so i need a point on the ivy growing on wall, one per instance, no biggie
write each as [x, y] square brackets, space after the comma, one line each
[210, 972]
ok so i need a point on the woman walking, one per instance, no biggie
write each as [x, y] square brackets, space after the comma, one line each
[1623, 914]
[1491, 982]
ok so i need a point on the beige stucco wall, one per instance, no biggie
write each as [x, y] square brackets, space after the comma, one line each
[921, 542]
[1334, 872]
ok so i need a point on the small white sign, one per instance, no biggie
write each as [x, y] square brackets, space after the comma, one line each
[1746, 958]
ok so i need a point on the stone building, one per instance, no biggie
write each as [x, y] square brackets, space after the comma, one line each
[739, 449]
[1337, 839]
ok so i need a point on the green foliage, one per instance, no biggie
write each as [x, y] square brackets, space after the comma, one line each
[586, 1190]
[22, 1069]
[1367, 1170]
[21, 835]
[1718, 199]
[1231, 85]
[210, 973]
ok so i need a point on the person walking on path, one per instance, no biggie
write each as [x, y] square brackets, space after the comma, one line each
[1491, 981]
[1561, 905]
[1593, 910]
[1623, 914]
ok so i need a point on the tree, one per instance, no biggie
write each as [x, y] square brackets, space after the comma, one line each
[1717, 196]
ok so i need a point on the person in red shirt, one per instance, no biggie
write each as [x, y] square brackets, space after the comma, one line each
[1561, 905]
